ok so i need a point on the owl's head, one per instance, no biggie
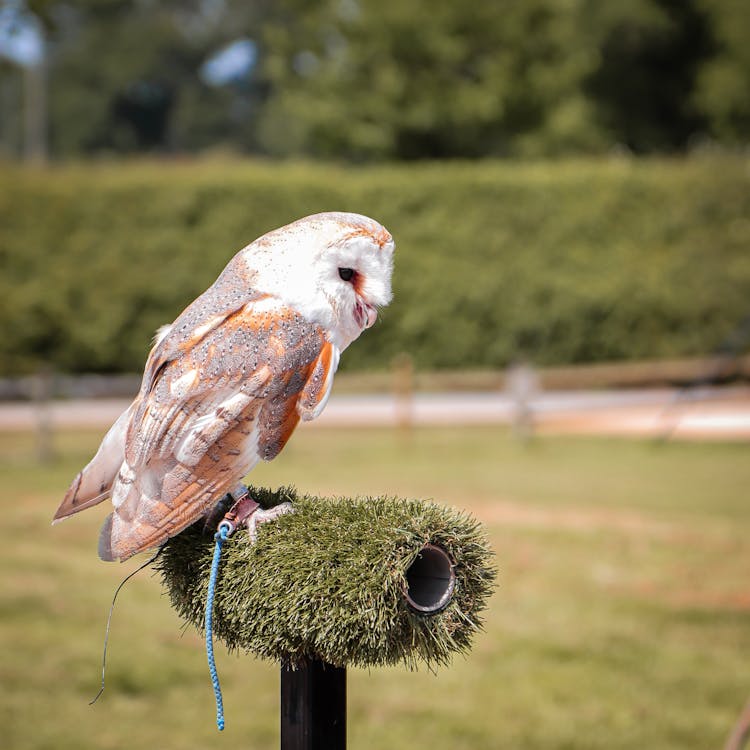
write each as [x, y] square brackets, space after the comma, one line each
[333, 268]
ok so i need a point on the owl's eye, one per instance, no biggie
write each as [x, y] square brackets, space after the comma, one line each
[347, 274]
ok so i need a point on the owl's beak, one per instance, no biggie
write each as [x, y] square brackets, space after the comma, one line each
[365, 314]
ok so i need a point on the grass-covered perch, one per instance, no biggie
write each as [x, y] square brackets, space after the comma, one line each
[326, 582]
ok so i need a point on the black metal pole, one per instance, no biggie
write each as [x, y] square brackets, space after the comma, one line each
[313, 706]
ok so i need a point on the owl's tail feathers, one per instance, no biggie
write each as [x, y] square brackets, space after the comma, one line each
[94, 482]
[79, 497]
[105, 540]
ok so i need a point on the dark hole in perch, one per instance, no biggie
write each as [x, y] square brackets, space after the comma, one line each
[430, 580]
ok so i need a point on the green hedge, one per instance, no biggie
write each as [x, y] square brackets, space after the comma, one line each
[559, 262]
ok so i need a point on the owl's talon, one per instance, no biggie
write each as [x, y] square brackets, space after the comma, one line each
[263, 516]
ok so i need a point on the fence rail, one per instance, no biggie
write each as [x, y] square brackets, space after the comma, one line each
[680, 372]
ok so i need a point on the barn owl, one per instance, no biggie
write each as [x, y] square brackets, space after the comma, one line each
[226, 384]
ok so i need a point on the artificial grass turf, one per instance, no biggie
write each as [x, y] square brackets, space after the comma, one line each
[327, 581]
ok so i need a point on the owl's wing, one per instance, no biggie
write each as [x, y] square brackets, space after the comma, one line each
[212, 404]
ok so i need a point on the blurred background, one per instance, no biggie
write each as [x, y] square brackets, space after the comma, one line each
[567, 355]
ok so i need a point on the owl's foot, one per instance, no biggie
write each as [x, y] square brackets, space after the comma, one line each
[240, 510]
[247, 511]
[262, 516]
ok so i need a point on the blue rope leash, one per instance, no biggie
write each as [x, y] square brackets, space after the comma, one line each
[222, 534]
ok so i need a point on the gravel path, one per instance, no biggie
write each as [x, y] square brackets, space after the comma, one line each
[710, 413]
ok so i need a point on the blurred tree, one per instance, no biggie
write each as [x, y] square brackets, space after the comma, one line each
[394, 79]
[650, 55]
[11, 97]
[125, 75]
[723, 87]
[415, 79]
[23, 112]
[405, 79]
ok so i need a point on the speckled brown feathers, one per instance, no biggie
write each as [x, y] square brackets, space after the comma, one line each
[208, 417]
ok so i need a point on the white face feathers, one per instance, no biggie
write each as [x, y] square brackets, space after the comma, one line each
[334, 268]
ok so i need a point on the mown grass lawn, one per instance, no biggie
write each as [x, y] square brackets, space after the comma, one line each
[622, 619]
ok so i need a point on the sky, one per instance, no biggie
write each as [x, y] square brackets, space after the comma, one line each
[231, 63]
[20, 40]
